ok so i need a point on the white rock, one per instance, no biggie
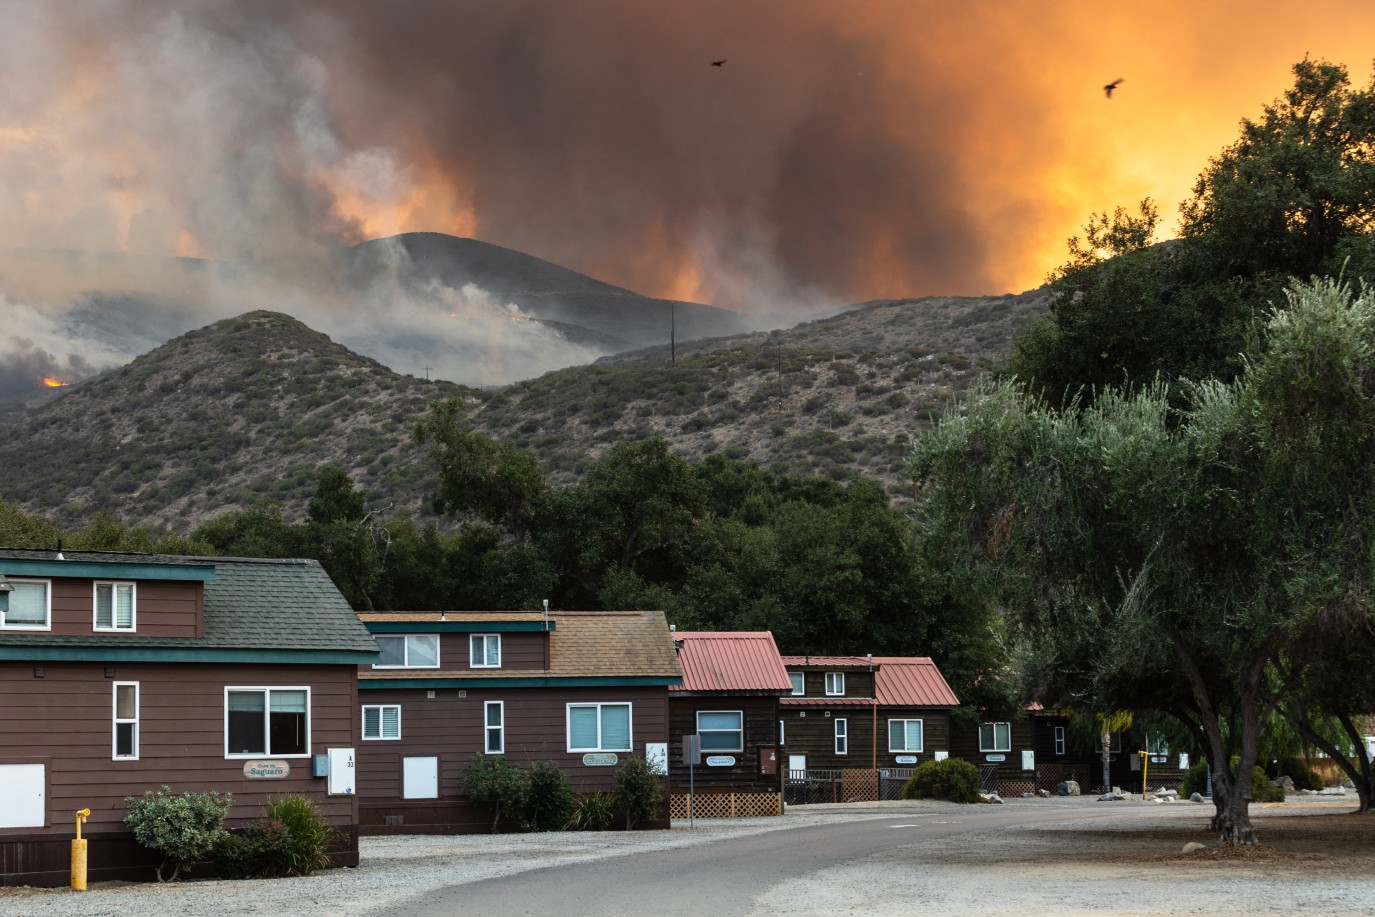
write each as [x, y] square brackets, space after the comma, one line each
[1194, 847]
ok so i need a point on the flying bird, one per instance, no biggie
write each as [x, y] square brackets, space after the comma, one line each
[1107, 90]
[719, 63]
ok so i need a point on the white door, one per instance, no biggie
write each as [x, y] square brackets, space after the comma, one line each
[420, 778]
[22, 800]
[797, 763]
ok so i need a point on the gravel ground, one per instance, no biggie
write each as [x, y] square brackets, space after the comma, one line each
[1318, 860]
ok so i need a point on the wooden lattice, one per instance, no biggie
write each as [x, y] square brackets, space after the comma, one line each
[727, 805]
[861, 785]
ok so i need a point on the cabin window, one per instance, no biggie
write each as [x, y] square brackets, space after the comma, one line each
[411, 651]
[485, 651]
[382, 721]
[995, 737]
[780, 733]
[266, 721]
[126, 721]
[114, 606]
[905, 735]
[599, 727]
[1059, 740]
[27, 606]
[799, 680]
[494, 730]
[842, 735]
[835, 684]
[721, 730]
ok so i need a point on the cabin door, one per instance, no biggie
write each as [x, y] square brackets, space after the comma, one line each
[797, 763]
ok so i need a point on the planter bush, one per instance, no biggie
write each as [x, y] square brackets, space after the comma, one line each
[954, 780]
[184, 828]
[638, 792]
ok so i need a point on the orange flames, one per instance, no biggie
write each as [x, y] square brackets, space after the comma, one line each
[50, 382]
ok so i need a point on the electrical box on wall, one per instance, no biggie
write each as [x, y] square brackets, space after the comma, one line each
[342, 773]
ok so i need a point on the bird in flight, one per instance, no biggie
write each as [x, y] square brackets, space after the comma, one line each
[719, 63]
[1107, 90]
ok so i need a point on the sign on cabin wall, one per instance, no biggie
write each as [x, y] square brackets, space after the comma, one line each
[906, 759]
[600, 759]
[266, 770]
[720, 761]
[995, 759]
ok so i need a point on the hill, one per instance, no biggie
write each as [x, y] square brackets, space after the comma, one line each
[248, 408]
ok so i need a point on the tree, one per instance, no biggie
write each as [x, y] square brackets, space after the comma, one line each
[1135, 543]
[1293, 196]
[478, 475]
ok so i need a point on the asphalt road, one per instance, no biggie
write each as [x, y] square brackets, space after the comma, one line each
[713, 880]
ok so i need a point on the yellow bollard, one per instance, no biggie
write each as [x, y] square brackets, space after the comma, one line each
[79, 853]
[1145, 771]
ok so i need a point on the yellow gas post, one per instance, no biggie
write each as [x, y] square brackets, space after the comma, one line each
[1145, 771]
[79, 853]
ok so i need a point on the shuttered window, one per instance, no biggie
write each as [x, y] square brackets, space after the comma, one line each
[494, 730]
[599, 727]
[842, 735]
[114, 606]
[126, 720]
[721, 730]
[485, 651]
[904, 735]
[995, 737]
[409, 651]
[26, 606]
[267, 721]
[382, 721]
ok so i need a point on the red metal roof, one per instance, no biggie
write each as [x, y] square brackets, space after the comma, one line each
[726, 662]
[826, 660]
[911, 681]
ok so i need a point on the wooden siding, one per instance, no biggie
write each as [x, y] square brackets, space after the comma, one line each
[450, 727]
[813, 735]
[964, 743]
[520, 652]
[64, 720]
[161, 608]
[857, 683]
[761, 730]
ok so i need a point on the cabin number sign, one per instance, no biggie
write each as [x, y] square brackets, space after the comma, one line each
[266, 770]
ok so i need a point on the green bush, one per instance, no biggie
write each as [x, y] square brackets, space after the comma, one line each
[638, 793]
[184, 828]
[954, 780]
[593, 812]
[490, 781]
[549, 801]
[1262, 790]
[253, 853]
[1195, 780]
[308, 838]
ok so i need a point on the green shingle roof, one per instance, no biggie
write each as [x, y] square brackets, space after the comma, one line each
[250, 604]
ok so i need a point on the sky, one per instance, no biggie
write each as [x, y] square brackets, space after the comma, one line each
[844, 151]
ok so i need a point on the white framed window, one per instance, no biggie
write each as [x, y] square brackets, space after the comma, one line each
[267, 721]
[114, 606]
[28, 606]
[381, 721]
[905, 736]
[721, 730]
[842, 736]
[1059, 740]
[780, 733]
[599, 727]
[494, 727]
[484, 651]
[835, 684]
[995, 737]
[125, 747]
[799, 680]
[407, 651]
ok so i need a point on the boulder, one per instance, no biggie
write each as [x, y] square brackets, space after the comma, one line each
[1332, 791]
[1194, 847]
[993, 798]
[1196, 797]
[1068, 788]
[1044, 794]
[1285, 783]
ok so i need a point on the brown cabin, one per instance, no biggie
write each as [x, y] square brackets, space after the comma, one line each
[846, 712]
[579, 689]
[121, 672]
[729, 700]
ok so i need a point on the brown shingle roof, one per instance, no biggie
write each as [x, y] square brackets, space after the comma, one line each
[582, 644]
[735, 663]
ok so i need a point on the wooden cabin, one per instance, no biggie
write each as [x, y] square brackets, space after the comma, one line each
[851, 713]
[579, 689]
[729, 700]
[121, 672]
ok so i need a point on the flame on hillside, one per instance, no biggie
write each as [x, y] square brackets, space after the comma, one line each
[51, 382]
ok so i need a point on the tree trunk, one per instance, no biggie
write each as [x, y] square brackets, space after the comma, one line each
[1360, 774]
[1106, 740]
